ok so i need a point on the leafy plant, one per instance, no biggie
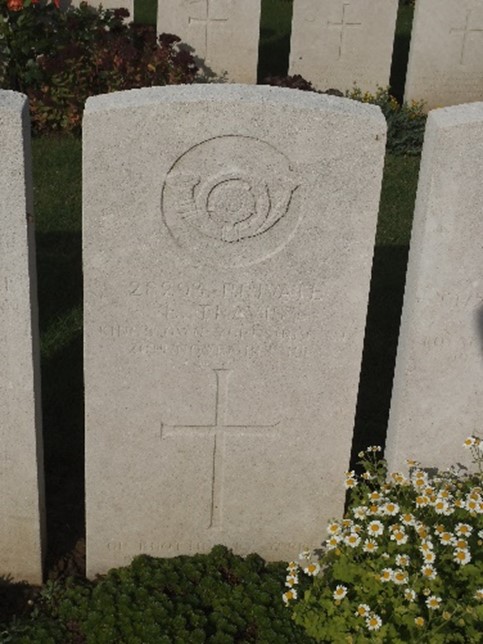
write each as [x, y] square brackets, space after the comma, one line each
[39, 57]
[219, 598]
[404, 565]
[406, 123]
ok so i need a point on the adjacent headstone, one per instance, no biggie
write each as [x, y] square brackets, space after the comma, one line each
[438, 387]
[21, 463]
[223, 35]
[338, 43]
[446, 54]
[226, 270]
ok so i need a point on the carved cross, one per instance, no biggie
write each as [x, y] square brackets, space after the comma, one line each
[465, 31]
[217, 431]
[208, 21]
[343, 24]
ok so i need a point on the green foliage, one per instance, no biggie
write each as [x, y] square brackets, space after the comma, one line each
[219, 598]
[405, 123]
[405, 563]
[39, 57]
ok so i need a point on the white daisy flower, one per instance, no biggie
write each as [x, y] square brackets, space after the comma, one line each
[428, 571]
[289, 596]
[291, 581]
[390, 509]
[375, 528]
[370, 545]
[360, 512]
[400, 576]
[386, 575]
[352, 539]
[409, 594]
[479, 594]
[399, 536]
[433, 602]
[429, 557]
[403, 560]
[446, 538]
[312, 569]
[363, 610]
[373, 622]
[463, 529]
[333, 527]
[462, 557]
[340, 592]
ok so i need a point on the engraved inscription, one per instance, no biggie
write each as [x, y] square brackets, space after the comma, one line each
[218, 431]
[208, 22]
[465, 33]
[341, 26]
[221, 196]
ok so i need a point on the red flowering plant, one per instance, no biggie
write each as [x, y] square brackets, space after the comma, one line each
[27, 30]
[40, 57]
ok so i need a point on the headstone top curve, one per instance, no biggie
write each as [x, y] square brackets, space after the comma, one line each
[457, 115]
[266, 94]
[12, 101]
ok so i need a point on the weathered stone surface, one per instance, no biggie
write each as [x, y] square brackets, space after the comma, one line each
[227, 268]
[338, 43]
[438, 386]
[21, 462]
[222, 34]
[446, 54]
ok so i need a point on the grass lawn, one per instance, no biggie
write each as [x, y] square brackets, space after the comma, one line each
[57, 193]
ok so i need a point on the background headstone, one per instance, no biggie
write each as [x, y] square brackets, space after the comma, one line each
[226, 272]
[338, 43]
[438, 387]
[446, 55]
[21, 461]
[223, 35]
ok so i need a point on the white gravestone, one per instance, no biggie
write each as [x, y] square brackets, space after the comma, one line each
[226, 271]
[446, 55]
[338, 43]
[21, 463]
[438, 386]
[223, 35]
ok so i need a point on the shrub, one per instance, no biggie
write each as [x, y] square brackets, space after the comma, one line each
[404, 565]
[405, 123]
[39, 57]
[219, 598]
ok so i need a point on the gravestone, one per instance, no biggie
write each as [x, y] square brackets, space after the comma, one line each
[338, 43]
[21, 463]
[446, 55]
[226, 271]
[438, 386]
[223, 35]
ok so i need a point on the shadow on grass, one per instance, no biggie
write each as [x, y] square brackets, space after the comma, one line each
[273, 55]
[400, 54]
[380, 346]
[59, 261]
[63, 405]
[14, 598]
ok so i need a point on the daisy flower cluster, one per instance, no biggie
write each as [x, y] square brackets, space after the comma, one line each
[405, 559]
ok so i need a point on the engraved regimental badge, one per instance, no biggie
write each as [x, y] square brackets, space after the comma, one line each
[231, 200]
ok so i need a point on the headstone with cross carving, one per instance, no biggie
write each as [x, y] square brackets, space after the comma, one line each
[437, 399]
[21, 484]
[226, 270]
[223, 35]
[446, 55]
[338, 43]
